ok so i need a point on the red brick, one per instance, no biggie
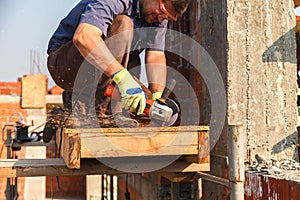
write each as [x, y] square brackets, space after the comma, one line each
[16, 91]
[10, 88]
[5, 91]
[70, 186]
[14, 84]
[56, 90]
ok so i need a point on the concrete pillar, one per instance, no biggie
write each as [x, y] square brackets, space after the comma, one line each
[262, 83]
[35, 187]
[93, 187]
[253, 44]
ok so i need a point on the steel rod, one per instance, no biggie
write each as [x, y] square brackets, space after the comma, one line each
[212, 178]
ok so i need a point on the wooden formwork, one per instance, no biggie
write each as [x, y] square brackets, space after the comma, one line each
[189, 143]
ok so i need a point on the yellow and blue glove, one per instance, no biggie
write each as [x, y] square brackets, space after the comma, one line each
[133, 97]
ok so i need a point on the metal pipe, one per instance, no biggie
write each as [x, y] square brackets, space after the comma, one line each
[212, 178]
[8, 142]
[200, 191]
[236, 161]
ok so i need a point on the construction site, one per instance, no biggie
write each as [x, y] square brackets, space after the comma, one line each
[237, 69]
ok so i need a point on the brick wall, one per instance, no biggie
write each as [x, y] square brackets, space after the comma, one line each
[8, 114]
[10, 88]
[70, 187]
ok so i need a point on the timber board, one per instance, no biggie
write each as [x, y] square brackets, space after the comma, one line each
[57, 167]
[132, 142]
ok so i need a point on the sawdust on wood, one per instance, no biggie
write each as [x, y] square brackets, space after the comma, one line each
[66, 119]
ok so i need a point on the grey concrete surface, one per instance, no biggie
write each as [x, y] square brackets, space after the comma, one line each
[253, 44]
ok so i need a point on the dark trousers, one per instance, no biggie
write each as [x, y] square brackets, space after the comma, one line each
[74, 74]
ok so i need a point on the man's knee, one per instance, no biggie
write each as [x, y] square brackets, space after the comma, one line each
[123, 23]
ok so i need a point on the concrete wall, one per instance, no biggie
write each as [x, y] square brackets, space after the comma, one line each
[262, 81]
[253, 44]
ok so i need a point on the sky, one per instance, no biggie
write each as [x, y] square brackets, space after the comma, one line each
[25, 29]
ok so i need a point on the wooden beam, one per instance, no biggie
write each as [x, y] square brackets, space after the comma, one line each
[133, 142]
[69, 144]
[57, 167]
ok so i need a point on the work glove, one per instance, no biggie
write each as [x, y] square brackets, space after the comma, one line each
[133, 97]
[156, 95]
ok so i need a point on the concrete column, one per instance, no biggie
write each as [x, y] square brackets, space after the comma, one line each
[35, 187]
[253, 44]
[93, 187]
[262, 81]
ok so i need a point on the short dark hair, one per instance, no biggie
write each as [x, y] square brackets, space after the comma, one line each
[180, 6]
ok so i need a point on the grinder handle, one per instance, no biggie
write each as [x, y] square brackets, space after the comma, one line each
[115, 94]
[111, 92]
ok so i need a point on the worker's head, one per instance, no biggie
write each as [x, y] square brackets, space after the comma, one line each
[180, 6]
[160, 10]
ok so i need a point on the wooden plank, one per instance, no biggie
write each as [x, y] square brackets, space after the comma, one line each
[34, 90]
[70, 147]
[57, 167]
[127, 145]
[204, 147]
[129, 142]
[115, 142]
[143, 130]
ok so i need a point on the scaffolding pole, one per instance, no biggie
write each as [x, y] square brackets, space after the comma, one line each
[236, 161]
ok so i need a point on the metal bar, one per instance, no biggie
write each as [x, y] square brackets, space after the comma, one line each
[8, 155]
[212, 178]
[200, 191]
[236, 162]
[102, 187]
[8, 189]
[111, 187]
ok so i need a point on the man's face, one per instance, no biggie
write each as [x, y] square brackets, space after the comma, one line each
[157, 11]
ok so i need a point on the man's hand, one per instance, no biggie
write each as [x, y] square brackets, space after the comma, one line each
[156, 95]
[132, 94]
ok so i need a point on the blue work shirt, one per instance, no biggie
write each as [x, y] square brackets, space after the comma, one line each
[100, 13]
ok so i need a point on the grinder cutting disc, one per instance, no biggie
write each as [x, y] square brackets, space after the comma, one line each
[173, 105]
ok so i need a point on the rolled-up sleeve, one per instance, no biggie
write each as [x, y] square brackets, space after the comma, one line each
[102, 13]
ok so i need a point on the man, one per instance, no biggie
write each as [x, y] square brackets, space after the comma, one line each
[83, 33]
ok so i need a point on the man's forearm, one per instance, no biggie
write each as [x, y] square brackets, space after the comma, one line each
[156, 70]
[89, 43]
